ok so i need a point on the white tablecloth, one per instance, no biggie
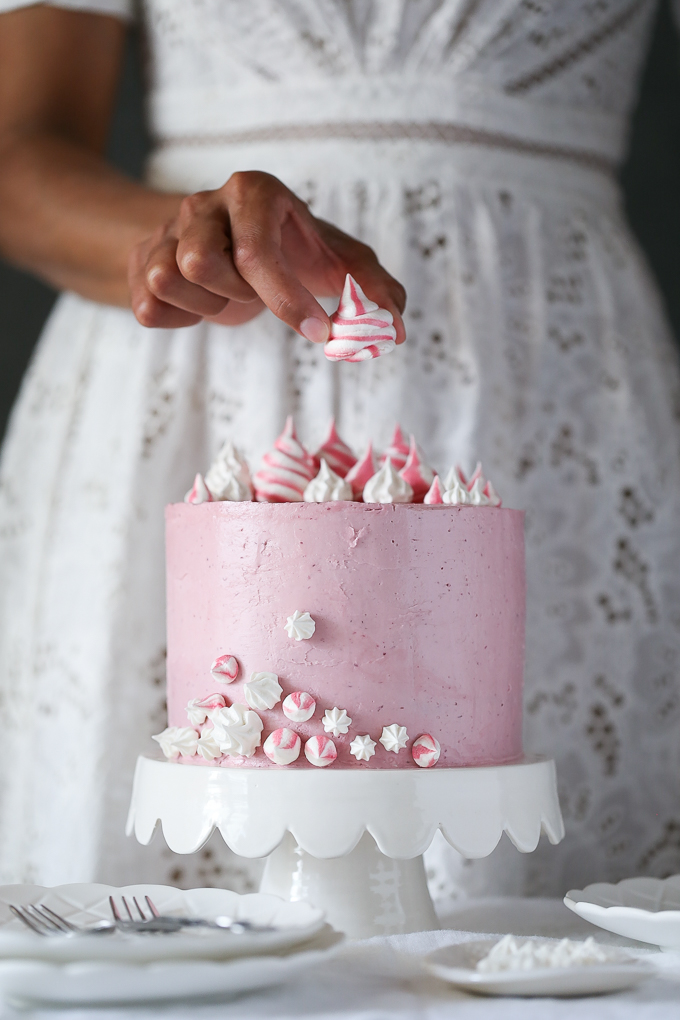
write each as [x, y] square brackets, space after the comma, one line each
[381, 978]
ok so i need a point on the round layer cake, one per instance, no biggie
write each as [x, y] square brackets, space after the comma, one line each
[418, 631]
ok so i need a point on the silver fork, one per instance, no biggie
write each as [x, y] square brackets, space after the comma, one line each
[46, 922]
[157, 922]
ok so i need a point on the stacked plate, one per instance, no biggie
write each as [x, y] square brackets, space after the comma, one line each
[131, 968]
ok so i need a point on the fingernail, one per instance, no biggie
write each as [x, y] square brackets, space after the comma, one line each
[314, 330]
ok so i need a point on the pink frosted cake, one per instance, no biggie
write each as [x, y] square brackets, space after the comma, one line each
[309, 628]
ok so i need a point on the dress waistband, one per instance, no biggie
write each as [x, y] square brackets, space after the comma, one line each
[460, 109]
[434, 131]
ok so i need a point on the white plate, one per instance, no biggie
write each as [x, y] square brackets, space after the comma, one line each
[456, 965]
[87, 903]
[646, 909]
[35, 983]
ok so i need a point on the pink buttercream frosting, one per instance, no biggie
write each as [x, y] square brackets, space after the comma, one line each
[286, 469]
[335, 452]
[419, 614]
[360, 329]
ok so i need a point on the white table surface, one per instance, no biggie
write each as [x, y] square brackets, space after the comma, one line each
[380, 979]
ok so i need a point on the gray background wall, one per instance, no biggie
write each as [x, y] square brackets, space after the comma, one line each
[650, 179]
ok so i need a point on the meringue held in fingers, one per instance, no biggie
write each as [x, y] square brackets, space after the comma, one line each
[360, 329]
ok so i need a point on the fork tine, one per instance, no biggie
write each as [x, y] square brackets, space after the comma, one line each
[152, 907]
[127, 907]
[25, 918]
[114, 909]
[51, 925]
[141, 912]
[62, 921]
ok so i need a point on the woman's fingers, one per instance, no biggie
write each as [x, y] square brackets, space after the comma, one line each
[258, 206]
[249, 244]
[204, 247]
[149, 309]
[167, 283]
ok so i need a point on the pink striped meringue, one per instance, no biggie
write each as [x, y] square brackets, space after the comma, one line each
[361, 472]
[433, 496]
[335, 452]
[199, 492]
[397, 451]
[417, 473]
[282, 746]
[360, 330]
[286, 469]
[320, 751]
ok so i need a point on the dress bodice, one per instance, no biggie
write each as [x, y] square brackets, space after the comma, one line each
[555, 73]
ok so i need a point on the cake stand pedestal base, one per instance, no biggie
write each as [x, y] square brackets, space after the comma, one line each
[363, 893]
[348, 840]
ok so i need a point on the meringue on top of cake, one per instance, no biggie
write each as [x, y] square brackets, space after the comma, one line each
[289, 473]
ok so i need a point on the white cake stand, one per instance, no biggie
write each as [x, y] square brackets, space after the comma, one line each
[348, 840]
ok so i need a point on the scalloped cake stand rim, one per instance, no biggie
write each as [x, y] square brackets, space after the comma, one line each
[328, 812]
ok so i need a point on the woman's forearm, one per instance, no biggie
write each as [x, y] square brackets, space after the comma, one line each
[69, 217]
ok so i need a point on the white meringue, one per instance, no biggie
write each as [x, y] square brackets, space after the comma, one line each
[387, 486]
[327, 486]
[300, 626]
[236, 730]
[363, 748]
[208, 747]
[394, 737]
[228, 477]
[176, 740]
[263, 691]
[336, 721]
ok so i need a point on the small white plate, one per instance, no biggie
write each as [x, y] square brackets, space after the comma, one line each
[646, 909]
[88, 903]
[456, 965]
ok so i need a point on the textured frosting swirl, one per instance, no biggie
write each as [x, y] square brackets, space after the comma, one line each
[335, 452]
[228, 477]
[386, 486]
[286, 469]
[327, 486]
[360, 330]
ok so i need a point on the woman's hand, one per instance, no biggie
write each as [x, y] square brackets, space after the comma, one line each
[252, 243]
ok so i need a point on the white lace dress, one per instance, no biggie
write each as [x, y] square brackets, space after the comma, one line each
[473, 144]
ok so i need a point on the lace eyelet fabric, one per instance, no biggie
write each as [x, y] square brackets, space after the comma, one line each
[474, 146]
